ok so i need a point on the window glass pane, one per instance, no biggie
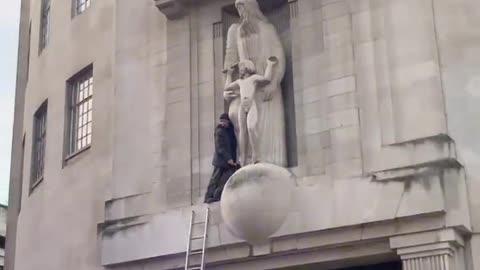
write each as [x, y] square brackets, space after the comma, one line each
[89, 128]
[80, 120]
[78, 94]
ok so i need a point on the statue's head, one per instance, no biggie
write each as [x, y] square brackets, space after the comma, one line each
[246, 67]
[250, 14]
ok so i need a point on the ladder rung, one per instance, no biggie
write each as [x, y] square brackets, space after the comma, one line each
[195, 268]
[197, 223]
[196, 252]
[197, 237]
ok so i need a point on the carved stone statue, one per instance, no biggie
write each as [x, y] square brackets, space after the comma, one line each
[248, 84]
[255, 40]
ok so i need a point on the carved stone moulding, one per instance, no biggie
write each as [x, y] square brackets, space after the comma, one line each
[424, 161]
[174, 9]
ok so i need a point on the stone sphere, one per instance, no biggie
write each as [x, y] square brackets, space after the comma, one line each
[256, 200]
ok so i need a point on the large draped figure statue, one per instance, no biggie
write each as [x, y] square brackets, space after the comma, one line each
[256, 39]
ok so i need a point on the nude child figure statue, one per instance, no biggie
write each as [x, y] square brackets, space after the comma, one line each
[248, 84]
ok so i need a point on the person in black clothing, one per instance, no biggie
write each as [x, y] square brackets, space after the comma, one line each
[224, 159]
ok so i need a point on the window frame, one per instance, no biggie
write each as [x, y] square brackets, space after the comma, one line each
[39, 135]
[74, 108]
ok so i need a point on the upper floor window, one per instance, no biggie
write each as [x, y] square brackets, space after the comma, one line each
[44, 24]
[80, 101]
[80, 6]
[39, 144]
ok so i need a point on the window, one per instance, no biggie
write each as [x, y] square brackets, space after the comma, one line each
[38, 146]
[44, 24]
[79, 98]
[80, 6]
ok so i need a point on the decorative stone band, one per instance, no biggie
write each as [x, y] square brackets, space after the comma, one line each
[435, 250]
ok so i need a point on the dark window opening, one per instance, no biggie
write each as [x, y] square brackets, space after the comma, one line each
[39, 145]
[44, 24]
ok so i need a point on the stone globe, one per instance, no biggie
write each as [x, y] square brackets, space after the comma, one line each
[256, 200]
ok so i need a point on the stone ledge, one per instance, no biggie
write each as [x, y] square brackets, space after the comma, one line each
[386, 207]
[111, 227]
[232, 249]
[419, 170]
[172, 9]
[127, 207]
[408, 241]
[442, 155]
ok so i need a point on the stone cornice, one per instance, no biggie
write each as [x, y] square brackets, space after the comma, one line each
[172, 9]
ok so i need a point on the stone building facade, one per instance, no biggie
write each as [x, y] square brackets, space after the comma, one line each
[381, 101]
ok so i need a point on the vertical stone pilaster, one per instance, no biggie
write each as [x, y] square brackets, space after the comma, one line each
[218, 66]
[178, 137]
[435, 250]
[293, 6]
[433, 262]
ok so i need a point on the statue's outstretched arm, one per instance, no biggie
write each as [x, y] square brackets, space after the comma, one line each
[271, 62]
[267, 78]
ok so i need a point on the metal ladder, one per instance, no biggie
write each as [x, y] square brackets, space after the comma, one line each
[201, 251]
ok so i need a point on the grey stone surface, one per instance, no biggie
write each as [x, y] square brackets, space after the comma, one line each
[386, 106]
[66, 207]
[18, 152]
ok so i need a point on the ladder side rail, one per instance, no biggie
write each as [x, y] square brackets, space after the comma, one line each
[187, 253]
[205, 239]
